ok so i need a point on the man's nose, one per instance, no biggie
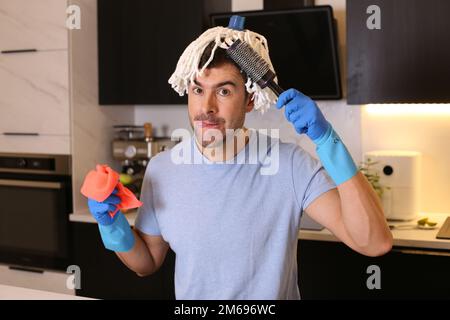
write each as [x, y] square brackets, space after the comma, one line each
[209, 103]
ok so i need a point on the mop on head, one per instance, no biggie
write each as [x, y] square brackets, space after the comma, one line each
[245, 42]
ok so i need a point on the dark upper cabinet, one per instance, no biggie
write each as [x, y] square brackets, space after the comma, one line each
[407, 60]
[139, 43]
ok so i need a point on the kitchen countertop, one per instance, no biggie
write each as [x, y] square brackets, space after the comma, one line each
[85, 216]
[18, 293]
[403, 236]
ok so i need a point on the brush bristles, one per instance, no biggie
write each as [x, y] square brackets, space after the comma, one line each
[249, 60]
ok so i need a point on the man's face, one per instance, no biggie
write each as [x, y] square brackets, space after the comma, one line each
[217, 100]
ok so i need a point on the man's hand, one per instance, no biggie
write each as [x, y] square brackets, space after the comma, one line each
[100, 210]
[115, 231]
[307, 118]
[303, 113]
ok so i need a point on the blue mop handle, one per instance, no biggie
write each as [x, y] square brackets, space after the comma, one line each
[236, 23]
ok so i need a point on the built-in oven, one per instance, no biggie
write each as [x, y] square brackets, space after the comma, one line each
[35, 203]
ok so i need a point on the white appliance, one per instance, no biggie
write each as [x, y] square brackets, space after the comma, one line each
[400, 176]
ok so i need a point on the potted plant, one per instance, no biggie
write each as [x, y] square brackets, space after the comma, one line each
[372, 175]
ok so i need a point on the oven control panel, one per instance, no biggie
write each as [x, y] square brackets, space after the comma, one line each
[27, 163]
[35, 163]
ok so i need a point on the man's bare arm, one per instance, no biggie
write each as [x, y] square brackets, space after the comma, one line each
[354, 214]
[147, 254]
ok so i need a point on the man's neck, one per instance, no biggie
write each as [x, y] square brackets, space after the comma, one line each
[226, 150]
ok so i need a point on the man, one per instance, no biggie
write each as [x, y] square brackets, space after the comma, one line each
[234, 230]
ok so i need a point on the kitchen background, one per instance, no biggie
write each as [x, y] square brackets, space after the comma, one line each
[76, 124]
[423, 128]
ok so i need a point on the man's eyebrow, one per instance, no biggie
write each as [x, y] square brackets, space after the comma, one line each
[220, 84]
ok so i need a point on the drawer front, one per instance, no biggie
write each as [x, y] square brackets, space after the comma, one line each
[35, 95]
[35, 144]
[46, 280]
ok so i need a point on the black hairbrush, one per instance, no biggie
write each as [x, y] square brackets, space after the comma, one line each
[253, 65]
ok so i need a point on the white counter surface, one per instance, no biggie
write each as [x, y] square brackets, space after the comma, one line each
[404, 236]
[18, 293]
[85, 216]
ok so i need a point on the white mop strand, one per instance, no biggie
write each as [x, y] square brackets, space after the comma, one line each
[187, 67]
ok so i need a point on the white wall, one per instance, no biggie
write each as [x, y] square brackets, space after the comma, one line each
[429, 134]
[244, 5]
[359, 130]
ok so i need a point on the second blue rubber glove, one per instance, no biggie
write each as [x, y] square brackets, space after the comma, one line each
[303, 113]
[307, 118]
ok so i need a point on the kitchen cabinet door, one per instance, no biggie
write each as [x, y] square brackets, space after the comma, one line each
[34, 95]
[406, 60]
[331, 270]
[140, 42]
[38, 24]
[104, 276]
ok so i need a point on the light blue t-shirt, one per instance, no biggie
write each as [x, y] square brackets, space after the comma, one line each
[233, 229]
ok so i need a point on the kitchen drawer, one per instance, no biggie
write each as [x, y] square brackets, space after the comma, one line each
[45, 280]
[35, 144]
[38, 24]
[35, 94]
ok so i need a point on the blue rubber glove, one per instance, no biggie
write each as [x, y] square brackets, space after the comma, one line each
[303, 113]
[307, 118]
[115, 232]
[100, 210]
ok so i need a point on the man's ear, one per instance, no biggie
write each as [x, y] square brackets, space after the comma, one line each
[250, 103]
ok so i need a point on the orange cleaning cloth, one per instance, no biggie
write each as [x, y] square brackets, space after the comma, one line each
[99, 185]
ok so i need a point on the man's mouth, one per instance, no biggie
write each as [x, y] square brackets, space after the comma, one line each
[207, 124]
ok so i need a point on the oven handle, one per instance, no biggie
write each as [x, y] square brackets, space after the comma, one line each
[31, 184]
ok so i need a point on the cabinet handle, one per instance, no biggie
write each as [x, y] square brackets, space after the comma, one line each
[423, 252]
[18, 51]
[20, 133]
[31, 184]
[26, 269]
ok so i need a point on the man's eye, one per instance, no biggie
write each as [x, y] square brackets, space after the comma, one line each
[224, 92]
[197, 90]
